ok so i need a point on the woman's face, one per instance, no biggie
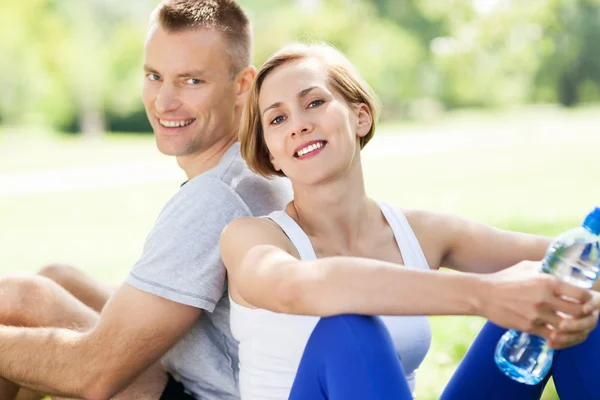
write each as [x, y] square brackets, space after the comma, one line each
[309, 128]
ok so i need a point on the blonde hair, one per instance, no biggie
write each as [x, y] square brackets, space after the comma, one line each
[343, 77]
[225, 16]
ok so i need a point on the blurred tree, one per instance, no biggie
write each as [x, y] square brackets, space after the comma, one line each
[69, 62]
[491, 56]
[25, 80]
[570, 71]
[76, 64]
[386, 54]
[102, 61]
[424, 19]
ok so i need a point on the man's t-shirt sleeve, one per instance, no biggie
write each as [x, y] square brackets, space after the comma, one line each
[181, 259]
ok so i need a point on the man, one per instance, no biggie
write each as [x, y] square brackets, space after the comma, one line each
[174, 305]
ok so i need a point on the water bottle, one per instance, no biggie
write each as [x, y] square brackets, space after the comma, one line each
[574, 257]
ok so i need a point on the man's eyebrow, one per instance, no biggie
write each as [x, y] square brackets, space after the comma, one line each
[194, 72]
[148, 68]
[301, 94]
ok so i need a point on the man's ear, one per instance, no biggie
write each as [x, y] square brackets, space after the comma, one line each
[243, 81]
[364, 121]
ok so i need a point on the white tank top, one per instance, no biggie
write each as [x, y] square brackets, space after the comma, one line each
[271, 344]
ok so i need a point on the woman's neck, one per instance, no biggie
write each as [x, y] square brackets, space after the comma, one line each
[338, 209]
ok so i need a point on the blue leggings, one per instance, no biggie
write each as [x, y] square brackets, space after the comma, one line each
[352, 357]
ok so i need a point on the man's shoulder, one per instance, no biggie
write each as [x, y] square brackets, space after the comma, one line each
[234, 180]
[262, 195]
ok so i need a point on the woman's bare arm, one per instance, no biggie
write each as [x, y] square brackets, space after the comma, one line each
[263, 273]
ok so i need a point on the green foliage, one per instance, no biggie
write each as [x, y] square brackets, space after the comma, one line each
[388, 56]
[489, 61]
[571, 63]
[73, 64]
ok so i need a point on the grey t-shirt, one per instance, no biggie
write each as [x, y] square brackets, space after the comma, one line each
[181, 262]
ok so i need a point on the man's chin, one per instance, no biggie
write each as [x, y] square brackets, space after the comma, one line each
[171, 149]
[168, 149]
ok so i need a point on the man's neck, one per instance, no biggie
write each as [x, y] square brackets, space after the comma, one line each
[204, 160]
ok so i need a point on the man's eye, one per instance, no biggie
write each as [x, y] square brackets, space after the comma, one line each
[194, 81]
[153, 77]
[315, 103]
[277, 120]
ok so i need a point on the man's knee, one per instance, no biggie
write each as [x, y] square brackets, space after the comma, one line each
[59, 273]
[34, 300]
[79, 284]
[21, 297]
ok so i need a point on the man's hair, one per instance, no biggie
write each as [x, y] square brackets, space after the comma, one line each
[225, 16]
[343, 78]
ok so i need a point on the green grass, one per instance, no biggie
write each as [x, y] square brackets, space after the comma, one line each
[543, 189]
[537, 185]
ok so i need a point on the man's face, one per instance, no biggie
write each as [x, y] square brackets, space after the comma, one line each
[188, 91]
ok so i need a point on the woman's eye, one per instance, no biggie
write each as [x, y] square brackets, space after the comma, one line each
[315, 103]
[277, 120]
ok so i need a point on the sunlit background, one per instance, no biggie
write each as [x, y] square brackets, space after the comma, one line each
[490, 111]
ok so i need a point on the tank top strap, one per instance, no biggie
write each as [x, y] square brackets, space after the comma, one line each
[411, 250]
[295, 233]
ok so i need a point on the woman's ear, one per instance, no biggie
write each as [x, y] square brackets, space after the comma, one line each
[273, 163]
[364, 121]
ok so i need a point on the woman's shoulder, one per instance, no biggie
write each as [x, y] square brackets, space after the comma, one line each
[433, 230]
[248, 232]
[251, 227]
[429, 219]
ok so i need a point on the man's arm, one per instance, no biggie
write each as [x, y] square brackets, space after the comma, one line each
[135, 329]
[180, 263]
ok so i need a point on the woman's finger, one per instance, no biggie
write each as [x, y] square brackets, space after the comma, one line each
[567, 307]
[572, 292]
[560, 340]
[578, 325]
[593, 304]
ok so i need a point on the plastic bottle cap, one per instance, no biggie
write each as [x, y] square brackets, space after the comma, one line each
[592, 221]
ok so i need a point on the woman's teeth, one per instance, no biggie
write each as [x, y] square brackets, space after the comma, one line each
[310, 148]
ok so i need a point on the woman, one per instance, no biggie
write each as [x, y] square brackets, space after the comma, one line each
[334, 251]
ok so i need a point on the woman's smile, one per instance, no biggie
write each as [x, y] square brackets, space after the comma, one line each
[310, 149]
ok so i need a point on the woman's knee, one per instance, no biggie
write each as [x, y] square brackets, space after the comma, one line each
[352, 348]
[348, 337]
[351, 327]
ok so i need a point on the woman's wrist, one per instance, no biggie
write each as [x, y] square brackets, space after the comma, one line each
[482, 286]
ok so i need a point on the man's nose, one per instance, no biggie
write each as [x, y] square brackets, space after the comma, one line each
[167, 99]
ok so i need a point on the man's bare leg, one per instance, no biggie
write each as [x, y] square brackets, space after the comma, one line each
[37, 301]
[80, 284]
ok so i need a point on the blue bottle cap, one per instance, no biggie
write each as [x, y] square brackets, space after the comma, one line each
[592, 221]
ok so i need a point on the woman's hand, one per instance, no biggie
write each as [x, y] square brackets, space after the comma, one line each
[573, 331]
[523, 298]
